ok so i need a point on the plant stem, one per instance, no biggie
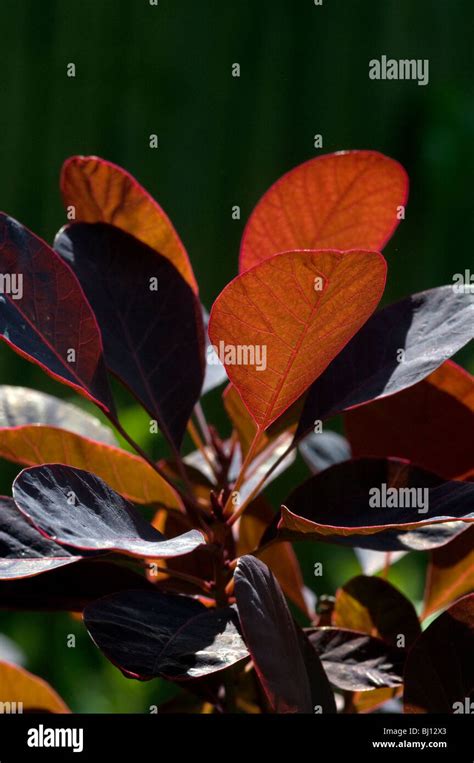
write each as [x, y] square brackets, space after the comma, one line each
[194, 434]
[241, 475]
[202, 421]
[203, 584]
[238, 513]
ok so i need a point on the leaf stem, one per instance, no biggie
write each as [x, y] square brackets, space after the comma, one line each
[241, 475]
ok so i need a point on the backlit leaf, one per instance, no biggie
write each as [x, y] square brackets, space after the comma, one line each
[346, 200]
[296, 311]
[100, 191]
[31, 693]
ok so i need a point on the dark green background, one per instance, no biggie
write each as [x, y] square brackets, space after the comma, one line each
[222, 141]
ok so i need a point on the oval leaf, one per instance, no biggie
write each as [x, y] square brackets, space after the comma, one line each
[101, 191]
[76, 508]
[347, 200]
[49, 320]
[31, 693]
[430, 424]
[397, 347]
[372, 503]
[439, 673]
[150, 634]
[20, 406]
[127, 474]
[150, 319]
[296, 311]
[24, 552]
[274, 641]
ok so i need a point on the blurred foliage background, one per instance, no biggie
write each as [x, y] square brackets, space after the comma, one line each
[143, 69]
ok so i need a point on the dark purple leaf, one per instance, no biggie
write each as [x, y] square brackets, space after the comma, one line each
[428, 327]
[24, 552]
[69, 588]
[275, 642]
[77, 508]
[323, 449]
[49, 320]
[149, 634]
[439, 672]
[338, 506]
[150, 319]
[355, 661]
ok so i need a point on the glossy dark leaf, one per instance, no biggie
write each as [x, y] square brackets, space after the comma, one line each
[450, 572]
[430, 424]
[355, 661]
[20, 406]
[51, 322]
[428, 327]
[69, 588]
[274, 640]
[76, 508]
[324, 449]
[373, 605]
[149, 634]
[356, 501]
[24, 552]
[150, 319]
[439, 673]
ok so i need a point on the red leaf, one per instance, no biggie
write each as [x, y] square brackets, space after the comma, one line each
[429, 424]
[29, 691]
[298, 310]
[52, 316]
[101, 191]
[346, 200]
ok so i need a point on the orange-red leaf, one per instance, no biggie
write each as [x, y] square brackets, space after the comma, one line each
[35, 695]
[430, 424]
[101, 191]
[129, 475]
[347, 200]
[450, 572]
[296, 311]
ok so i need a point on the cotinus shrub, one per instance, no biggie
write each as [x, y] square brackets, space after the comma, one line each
[181, 567]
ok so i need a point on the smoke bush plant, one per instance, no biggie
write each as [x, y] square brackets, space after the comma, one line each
[209, 592]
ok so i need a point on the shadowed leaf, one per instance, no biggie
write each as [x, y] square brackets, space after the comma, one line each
[154, 634]
[430, 424]
[275, 641]
[52, 323]
[324, 449]
[150, 319]
[381, 504]
[439, 673]
[397, 347]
